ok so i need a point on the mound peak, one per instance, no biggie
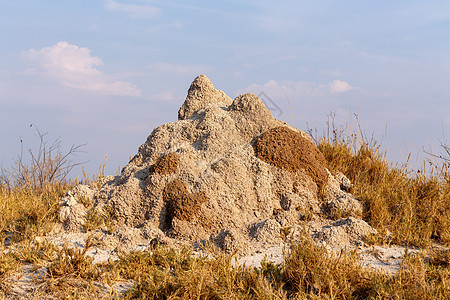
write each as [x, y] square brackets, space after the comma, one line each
[200, 93]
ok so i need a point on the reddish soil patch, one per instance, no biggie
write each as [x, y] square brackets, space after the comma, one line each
[180, 203]
[166, 164]
[287, 149]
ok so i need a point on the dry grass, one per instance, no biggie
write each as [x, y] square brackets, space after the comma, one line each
[308, 272]
[175, 274]
[414, 207]
[26, 213]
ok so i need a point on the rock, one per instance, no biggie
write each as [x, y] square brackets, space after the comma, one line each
[303, 203]
[338, 203]
[73, 207]
[230, 240]
[226, 169]
[180, 203]
[303, 206]
[344, 182]
[344, 206]
[221, 183]
[251, 117]
[64, 213]
[267, 231]
[343, 233]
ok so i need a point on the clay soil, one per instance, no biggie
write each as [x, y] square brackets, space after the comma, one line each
[287, 149]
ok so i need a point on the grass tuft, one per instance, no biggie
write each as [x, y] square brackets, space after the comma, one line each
[175, 274]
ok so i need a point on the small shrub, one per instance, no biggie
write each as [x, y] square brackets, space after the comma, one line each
[30, 191]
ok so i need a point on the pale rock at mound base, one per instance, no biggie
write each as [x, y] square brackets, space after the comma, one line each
[343, 233]
[267, 231]
[339, 203]
[73, 209]
[344, 182]
[231, 240]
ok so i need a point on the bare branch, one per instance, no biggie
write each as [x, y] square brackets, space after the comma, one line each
[47, 167]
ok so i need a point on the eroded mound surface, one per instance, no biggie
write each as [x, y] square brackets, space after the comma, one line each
[225, 172]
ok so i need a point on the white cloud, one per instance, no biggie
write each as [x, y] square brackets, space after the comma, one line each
[64, 58]
[339, 86]
[132, 10]
[181, 69]
[298, 88]
[74, 67]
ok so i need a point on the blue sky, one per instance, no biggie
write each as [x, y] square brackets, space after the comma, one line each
[106, 73]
